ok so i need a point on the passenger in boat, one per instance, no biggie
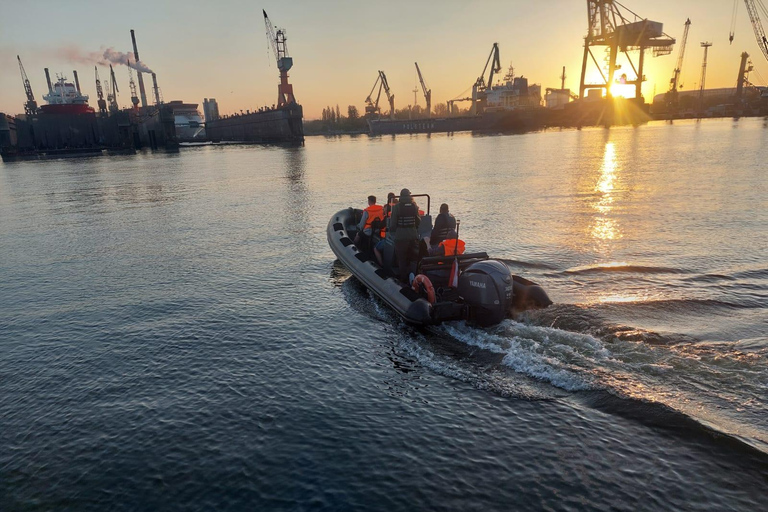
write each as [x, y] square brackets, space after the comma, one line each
[451, 245]
[372, 214]
[444, 224]
[385, 236]
[404, 228]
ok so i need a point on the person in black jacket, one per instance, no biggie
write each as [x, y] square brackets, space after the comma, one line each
[444, 224]
[404, 225]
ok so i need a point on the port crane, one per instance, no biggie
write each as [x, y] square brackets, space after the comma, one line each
[427, 92]
[480, 86]
[371, 107]
[277, 40]
[674, 82]
[112, 91]
[753, 8]
[100, 93]
[30, 107]
[617, 32]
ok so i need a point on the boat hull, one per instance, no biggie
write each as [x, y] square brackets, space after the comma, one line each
[283, 124]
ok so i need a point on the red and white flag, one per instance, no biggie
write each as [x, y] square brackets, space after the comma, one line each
[453, 281]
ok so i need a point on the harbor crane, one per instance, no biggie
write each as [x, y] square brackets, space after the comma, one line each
[617, 32]
[674, 82]
[102, 103]
[706, 46]
[427, 92]
[277, 40]
[744, 68]
[30, 107]
[480, 86]
[753, 8]
[372, 108]
[112, 91]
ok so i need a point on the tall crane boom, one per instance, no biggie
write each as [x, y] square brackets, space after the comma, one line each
[30, 107]
[277, 40]
[390, 96]
[427, 92]
[112, 91]
[100, 93]
[757, 26]
[674, 83]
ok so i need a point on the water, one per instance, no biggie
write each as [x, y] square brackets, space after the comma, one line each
[175, 333]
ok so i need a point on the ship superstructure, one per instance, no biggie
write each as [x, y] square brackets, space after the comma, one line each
[65, 98]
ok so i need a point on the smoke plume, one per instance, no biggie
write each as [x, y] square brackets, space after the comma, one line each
[115, 57]
[74, 54]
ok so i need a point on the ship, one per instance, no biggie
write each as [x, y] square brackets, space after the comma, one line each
[65, 98]
[188, 123]
[281, 123]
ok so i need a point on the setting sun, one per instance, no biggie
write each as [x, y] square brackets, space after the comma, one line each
[623, 90]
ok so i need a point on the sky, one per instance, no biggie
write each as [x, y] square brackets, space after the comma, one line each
[203, 49]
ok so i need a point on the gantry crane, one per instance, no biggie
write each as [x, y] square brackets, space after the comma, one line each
[284, 62]
[371, 107]
[100, 93]
[610, 28]
[30, 107]
[427, 92]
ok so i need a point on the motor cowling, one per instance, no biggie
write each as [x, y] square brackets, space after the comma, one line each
[487, 290]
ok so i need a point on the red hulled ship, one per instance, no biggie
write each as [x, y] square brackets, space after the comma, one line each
[65, 98]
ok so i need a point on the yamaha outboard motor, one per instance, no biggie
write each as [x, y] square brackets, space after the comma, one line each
[487, 289]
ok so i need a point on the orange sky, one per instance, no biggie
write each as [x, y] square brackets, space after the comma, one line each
[207, 49]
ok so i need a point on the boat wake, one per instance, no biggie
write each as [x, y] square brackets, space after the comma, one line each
[570, 353]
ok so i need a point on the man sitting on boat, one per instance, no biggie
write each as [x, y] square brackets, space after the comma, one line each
[444, 224]
[374, 214]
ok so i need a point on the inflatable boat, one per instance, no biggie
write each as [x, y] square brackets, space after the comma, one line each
[486, 294]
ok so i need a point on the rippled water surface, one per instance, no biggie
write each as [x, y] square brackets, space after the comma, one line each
[175, 332]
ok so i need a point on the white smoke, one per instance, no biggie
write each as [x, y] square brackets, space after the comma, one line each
[73, 54]
[115, 57]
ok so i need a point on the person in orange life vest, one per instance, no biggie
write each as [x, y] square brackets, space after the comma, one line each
[374, 212]
[452, 244]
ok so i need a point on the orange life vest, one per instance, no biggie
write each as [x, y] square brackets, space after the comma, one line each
[375, 212]
[449, 246]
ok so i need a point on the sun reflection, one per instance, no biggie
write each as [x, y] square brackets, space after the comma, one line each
[603, 227]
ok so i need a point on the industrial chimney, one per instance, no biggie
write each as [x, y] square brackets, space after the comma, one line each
[48, 79]
[155, 89]
[141, 80]
[77, 82]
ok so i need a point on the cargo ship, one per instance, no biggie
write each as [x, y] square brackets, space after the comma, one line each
[282, 123]
[65, 98]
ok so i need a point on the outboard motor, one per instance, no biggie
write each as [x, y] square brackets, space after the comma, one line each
[487, 289]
